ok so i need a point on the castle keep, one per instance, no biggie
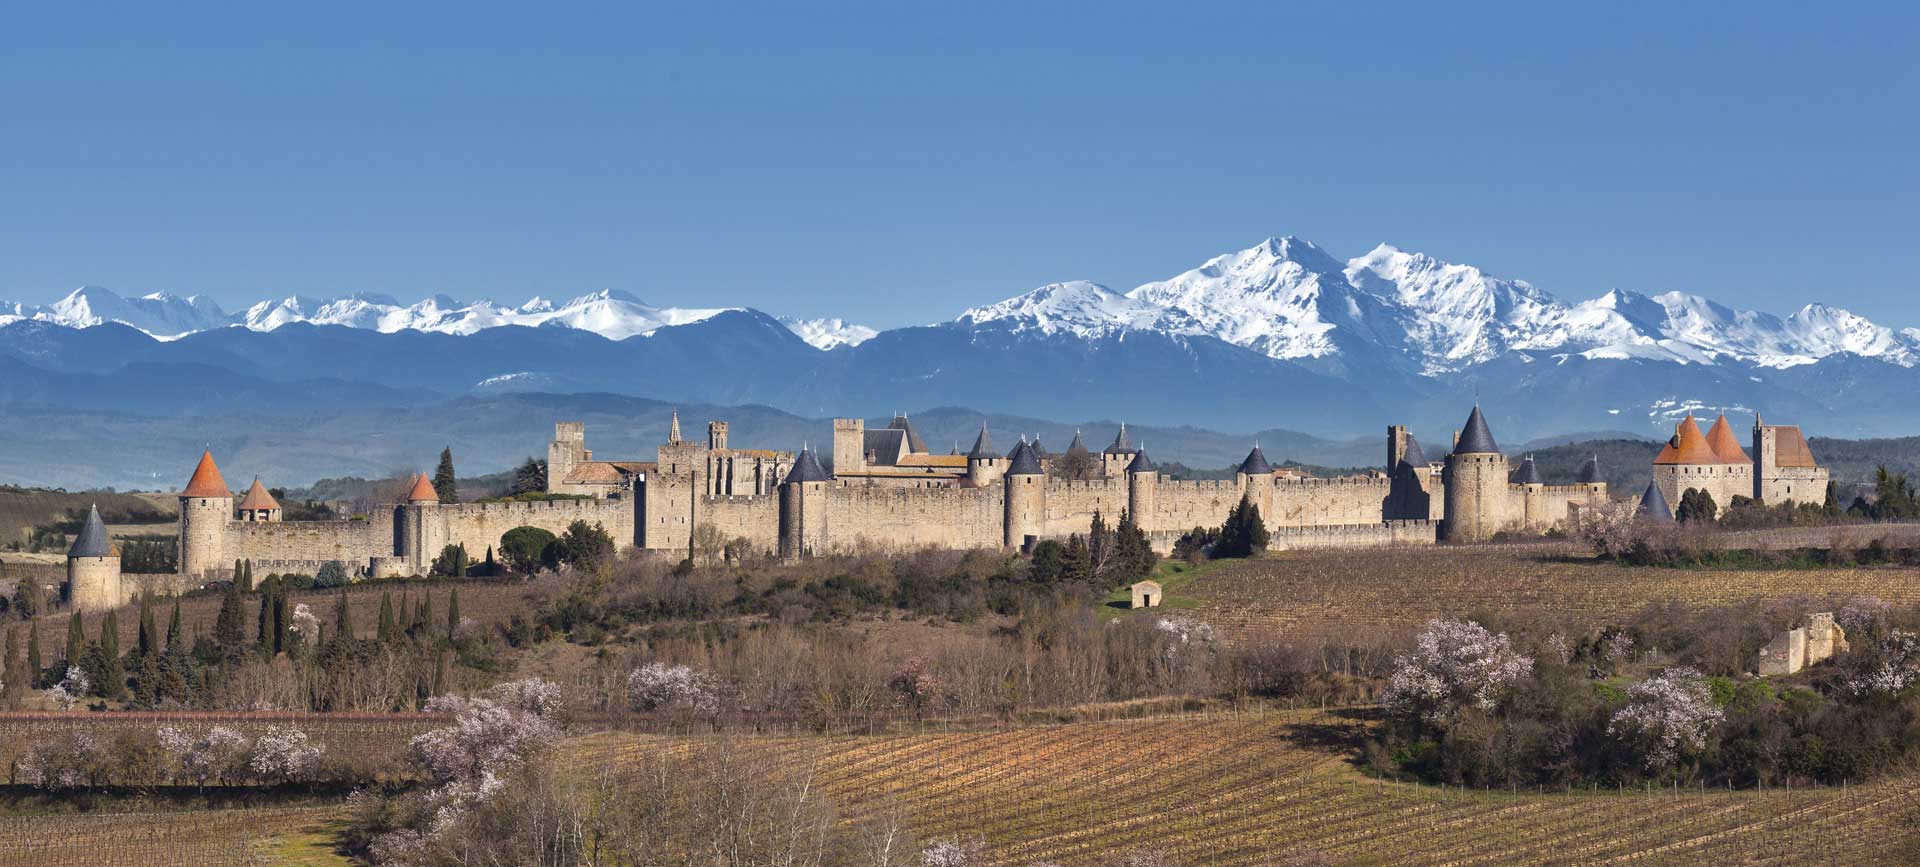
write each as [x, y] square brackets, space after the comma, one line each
[883, 489]
[1781, 469]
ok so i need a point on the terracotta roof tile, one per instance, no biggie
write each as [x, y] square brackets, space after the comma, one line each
[422, 491]
[207, 481]
[1688, 446]
[1725, 445]
[257, 499]
[1790, 448]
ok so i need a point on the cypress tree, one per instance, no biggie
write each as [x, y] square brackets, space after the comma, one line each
[173, 628]
[453, 614]
[76, 644]
[239, 571]
[16, 669]
[230, 626]
[279, 620]
[116, 673]
[386, 617]
[443, 479]
[405, 620]
[149, 633]
[439, 673]
[423, 617]
[248, 586]
[343, 617]
[263, 631]
[33, 655]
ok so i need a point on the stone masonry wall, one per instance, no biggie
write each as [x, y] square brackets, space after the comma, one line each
[351, 542]
[754, 518]
[480, 525]
[1070, 504]
[908, 517]
[1326, 502]
[1182, 506]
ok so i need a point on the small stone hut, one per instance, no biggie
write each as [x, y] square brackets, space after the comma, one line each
[1146, 594]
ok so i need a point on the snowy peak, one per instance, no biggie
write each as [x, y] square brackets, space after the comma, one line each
[1077, 307]
[828, 333]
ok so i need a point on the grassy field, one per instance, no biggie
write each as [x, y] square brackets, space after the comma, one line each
[1390, 591]
[22, 509]
[1255, 788]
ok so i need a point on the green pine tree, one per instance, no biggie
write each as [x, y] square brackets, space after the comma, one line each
[443, 480]
[1076, 566]
[230, 626]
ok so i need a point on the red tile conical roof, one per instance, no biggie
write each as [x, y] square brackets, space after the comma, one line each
[423, 491]
[207, 481]
[1725, 445]
[257, 498]
[1688, 446]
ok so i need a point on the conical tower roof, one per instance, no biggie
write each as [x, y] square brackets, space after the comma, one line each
[807, 468]
[1590, 471]
[423, 491]
[1528, 474]
[915, 444]
[1725, 445]
[1688, 446]
[257, 498]
[1078, 446]
[1256, 463]
[1653, 506]
[1141, 463]
[1475, 438]
[673, 427]
[1039, 451]
[207, 481]
[1414, 457]
[92, 541]
[1120, 445]
[982, 446]
[1024, 462]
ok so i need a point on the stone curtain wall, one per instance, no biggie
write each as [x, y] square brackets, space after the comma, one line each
[754, 518]
[480, 525]
[1071, 504]
[1182, 506]
[1327, 502]
[889, 516]
[353, 543]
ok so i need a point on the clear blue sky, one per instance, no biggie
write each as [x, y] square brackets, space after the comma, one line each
[896, 162]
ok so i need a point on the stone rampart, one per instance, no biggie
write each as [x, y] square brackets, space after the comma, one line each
[910, 517]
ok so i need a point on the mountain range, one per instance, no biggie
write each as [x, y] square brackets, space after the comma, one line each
[1282, 334]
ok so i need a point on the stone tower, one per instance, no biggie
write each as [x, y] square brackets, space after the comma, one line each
[206, 505]
[93, 568]
[1532, 490]
[1026, 503]
[567, 450]
[1408, 476]
[1476, 481]
[803, 507]
[1143, 482]
[1116, 457]
[984, 466]
[849, 445]
[1256, 482]
[420, 534]
[258, 506]
[717, 435]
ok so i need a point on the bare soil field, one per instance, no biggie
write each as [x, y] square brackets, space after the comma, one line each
[1259, 787]
[1391, 591]
[241, 837]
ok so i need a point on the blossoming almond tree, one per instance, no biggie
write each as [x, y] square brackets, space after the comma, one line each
[1454, 664]
[1667, 717]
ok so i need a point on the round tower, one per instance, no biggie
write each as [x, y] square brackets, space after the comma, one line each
[206, 506]
[1256, 482]
[1477, 501]
[420, 536]
[1143, 482]
[93, 568]
[803, 499]
[1026, 500]
[984, 467]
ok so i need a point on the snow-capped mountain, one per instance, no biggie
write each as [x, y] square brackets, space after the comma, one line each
[828, 333]
[612, 314]
[1082, 309]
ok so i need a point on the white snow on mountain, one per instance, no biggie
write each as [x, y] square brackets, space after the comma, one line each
[828, 333]
[161, 314]
[1080, 308]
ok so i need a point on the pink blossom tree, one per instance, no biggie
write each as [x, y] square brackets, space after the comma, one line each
[1667, 717]
[1454, 664]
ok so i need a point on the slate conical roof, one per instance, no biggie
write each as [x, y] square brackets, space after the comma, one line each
[92, 541]
[1024, 463]
[982, 446]
[1078, 446]
[1475, 439]
[807, 468]
[257, 498]
[1120, 445]
[423, 491]
[915, 444]
[207, 481]
[1590, 471]
[1688, 446]
[1725, 445]
[1414, 457]
[1256, 463]
[1528, 474]
[1039, 451]
[1653, 506]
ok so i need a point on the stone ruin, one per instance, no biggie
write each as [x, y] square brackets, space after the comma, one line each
[1795, 649]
